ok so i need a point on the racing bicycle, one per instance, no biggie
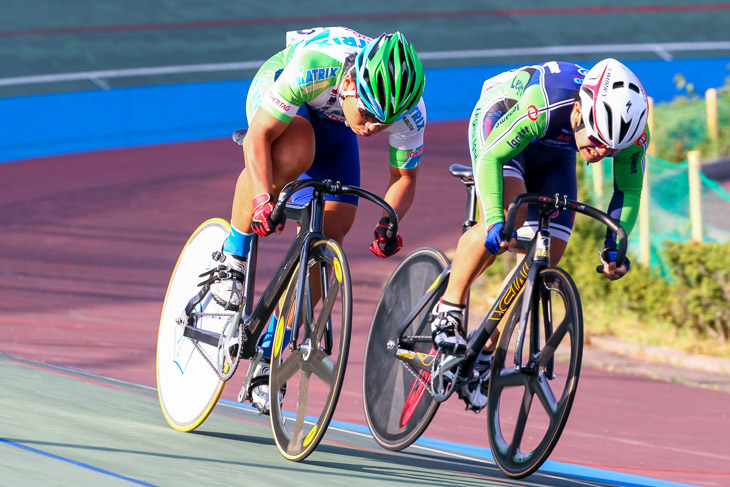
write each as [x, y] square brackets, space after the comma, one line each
[535, 367]
[200, 344]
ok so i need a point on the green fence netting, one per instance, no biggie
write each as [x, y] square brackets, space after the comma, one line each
[667, 194]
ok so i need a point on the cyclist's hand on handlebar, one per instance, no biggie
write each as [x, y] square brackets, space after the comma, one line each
[608, 258]
[383, 246]
[262, 223]
[494, 243]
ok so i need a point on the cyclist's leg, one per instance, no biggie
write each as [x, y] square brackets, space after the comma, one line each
[471, 257]
[291, 154]
[337, 158]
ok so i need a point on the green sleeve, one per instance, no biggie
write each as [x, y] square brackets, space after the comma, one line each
[510, 135]
[628, 179]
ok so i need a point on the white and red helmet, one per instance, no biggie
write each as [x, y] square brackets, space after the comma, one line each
[614, 104]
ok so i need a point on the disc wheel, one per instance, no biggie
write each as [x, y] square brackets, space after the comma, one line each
[309, 377]
[187, 385]
[528, 406]
[398, 406]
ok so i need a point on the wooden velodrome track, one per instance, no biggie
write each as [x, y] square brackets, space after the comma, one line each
[87, 244]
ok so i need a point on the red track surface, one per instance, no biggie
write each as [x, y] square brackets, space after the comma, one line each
[89, 241]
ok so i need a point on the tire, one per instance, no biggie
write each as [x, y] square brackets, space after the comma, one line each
[311, 376]
[521, 435]
[398, 407]
[187, 386]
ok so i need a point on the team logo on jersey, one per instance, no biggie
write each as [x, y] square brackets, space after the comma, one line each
[319, 74]
[279, 103]
[532, 112]
[642, 139]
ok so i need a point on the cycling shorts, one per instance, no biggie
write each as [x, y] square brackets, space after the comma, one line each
[337, 154]
[543, 169]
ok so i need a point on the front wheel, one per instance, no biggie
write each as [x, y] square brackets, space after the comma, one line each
[398, 404]
[522, 431]
[308, 376]
[188, 387]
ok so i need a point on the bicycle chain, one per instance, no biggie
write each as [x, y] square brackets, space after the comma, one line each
[234, 366]
[425, 384]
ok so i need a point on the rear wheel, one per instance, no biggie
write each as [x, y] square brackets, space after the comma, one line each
[309, 377]
[187, 384]
[398, 405]
[523, 431]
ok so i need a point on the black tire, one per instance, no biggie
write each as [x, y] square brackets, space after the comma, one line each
[312, 374]
[521, 436]
[397, 406]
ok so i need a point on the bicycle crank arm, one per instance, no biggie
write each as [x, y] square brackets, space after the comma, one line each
[417, 360]
[243, 395]
[204, 336]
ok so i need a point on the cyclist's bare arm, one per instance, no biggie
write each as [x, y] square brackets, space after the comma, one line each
[401, 189]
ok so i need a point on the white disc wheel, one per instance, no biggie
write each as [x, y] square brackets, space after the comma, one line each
[187, 385]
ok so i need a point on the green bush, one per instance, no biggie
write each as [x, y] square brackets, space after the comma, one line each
[700, 288]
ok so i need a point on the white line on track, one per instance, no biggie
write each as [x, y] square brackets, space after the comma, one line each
[662, 50]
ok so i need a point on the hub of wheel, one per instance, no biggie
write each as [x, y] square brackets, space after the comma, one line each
[306, 349]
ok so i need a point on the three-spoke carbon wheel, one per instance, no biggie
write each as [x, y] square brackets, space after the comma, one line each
[398, 406]
[305, 380]
[528, 405]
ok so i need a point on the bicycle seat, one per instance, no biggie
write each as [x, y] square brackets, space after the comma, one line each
[461, 171]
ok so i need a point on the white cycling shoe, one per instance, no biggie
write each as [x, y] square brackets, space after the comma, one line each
[228, 291]
[447, 331]
[258, 390]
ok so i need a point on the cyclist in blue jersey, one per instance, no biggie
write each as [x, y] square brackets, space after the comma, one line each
[524, 133]
[305, 108]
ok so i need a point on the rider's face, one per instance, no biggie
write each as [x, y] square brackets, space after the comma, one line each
[591, 149]
[358, 118]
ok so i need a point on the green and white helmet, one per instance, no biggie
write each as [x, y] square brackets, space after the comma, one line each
[389, 77]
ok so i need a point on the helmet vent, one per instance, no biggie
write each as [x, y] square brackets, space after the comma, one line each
[618, 84]
[609, 115]
[635, 88]
[625, 126]
[591, 122]
[382, 93]
[587, 91]
[638, 128]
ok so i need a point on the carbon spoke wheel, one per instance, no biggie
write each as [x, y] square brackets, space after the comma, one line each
[305, 381]
[398, 407]
[529, 405]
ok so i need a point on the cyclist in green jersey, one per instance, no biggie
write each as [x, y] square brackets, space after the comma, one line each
[305, 108]
[524, 133]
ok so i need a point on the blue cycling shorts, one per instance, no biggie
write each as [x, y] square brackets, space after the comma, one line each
[336, 157]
